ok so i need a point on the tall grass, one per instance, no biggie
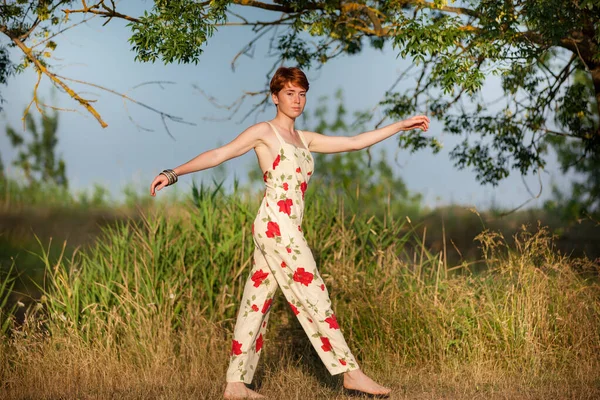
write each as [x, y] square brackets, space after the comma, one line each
[7, 311]
[148, 310]
[17, 194]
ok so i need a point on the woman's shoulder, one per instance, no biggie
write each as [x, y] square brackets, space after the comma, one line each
[257, 129]
[309, 135]
[259, 126]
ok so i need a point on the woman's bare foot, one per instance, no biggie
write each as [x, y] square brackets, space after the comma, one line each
[357, 380]
[238, 390]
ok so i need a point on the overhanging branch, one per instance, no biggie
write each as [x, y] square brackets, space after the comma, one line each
[102, 10]
[85, 103]
[450, 9]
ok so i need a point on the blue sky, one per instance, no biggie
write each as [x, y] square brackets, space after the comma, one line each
[122, 154]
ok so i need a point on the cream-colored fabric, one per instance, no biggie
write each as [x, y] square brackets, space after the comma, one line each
[283, 260]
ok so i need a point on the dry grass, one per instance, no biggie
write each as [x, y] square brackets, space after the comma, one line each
[60, 369]
[147, 313]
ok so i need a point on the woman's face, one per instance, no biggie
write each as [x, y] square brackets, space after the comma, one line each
[290, 100]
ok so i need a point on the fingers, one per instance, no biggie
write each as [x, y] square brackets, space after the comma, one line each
[424, 122]
[423, 118]
[420, 122]
[158, 183]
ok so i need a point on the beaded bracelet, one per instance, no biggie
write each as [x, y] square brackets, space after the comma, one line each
[171, 176]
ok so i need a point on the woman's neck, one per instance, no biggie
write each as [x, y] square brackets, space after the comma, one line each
[284, 122]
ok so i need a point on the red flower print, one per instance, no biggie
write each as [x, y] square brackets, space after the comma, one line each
[298, 170]
[276, 162]
[259, 343]
[322, 287]
[283, 264]
[285, 186]
[299, 228]
[309, 320]
[303, 187]
[265, 176]
[303, 277]
[267, 305]
[285, 206]
[342, 362]
[309, 173]
[332, 321]
[236, 348]
[288, 249]
[326, 345]
[253, 229]
[294, 309]
[258, 277]
[254, 307]
[272, 229]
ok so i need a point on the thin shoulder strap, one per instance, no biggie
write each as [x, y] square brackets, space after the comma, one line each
[302, 138]
[276, 133]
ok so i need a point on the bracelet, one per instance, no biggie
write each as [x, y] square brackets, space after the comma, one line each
[171, 176]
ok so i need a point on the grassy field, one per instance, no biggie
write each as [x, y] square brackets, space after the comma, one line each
[145, 309]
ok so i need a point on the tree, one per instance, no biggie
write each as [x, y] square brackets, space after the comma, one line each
[537, 47]
[6, 69]
[33, 27]
[38, 158]
[583, 201]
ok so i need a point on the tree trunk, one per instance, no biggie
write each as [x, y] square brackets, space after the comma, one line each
[595, 71]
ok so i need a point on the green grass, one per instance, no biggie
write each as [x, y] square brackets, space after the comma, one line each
[147, 310]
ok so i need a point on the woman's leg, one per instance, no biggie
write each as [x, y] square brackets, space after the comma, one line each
[252, 318]
[307, 295]
[294, 267]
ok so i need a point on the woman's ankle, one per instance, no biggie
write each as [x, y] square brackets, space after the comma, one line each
[353, 373]
[236, 383]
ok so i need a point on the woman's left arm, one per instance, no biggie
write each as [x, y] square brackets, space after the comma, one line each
[336, 144]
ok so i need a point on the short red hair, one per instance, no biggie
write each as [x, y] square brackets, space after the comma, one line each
[285, 75]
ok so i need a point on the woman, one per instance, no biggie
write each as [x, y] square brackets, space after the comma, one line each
[282, 258]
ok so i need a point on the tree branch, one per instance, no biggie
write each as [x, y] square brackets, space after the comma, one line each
[579, 54]
[450, 9]
[86, 103]
[248, 46]
[34, 100]
[280, 21]
[504, 214]
[562, 77]
[62, 31]
[162, 114]
[276, 7]
[33, 26]
[106, 12]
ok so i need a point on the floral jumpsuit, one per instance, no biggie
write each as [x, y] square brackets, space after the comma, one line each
[283, 259]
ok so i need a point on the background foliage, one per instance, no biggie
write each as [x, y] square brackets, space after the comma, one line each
[546, 54]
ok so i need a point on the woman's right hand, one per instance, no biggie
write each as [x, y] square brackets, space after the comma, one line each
[159, 182]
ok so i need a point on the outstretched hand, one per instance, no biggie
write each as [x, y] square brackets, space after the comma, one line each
[159, 182]
[416, 122]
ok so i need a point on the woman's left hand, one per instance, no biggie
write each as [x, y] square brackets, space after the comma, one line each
[416, 122]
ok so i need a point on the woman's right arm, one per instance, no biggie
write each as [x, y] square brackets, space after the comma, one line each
[245, 141]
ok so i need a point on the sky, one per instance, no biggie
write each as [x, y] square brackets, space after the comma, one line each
[123, 154]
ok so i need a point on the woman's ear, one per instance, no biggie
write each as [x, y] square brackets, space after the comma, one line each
[275, 98]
